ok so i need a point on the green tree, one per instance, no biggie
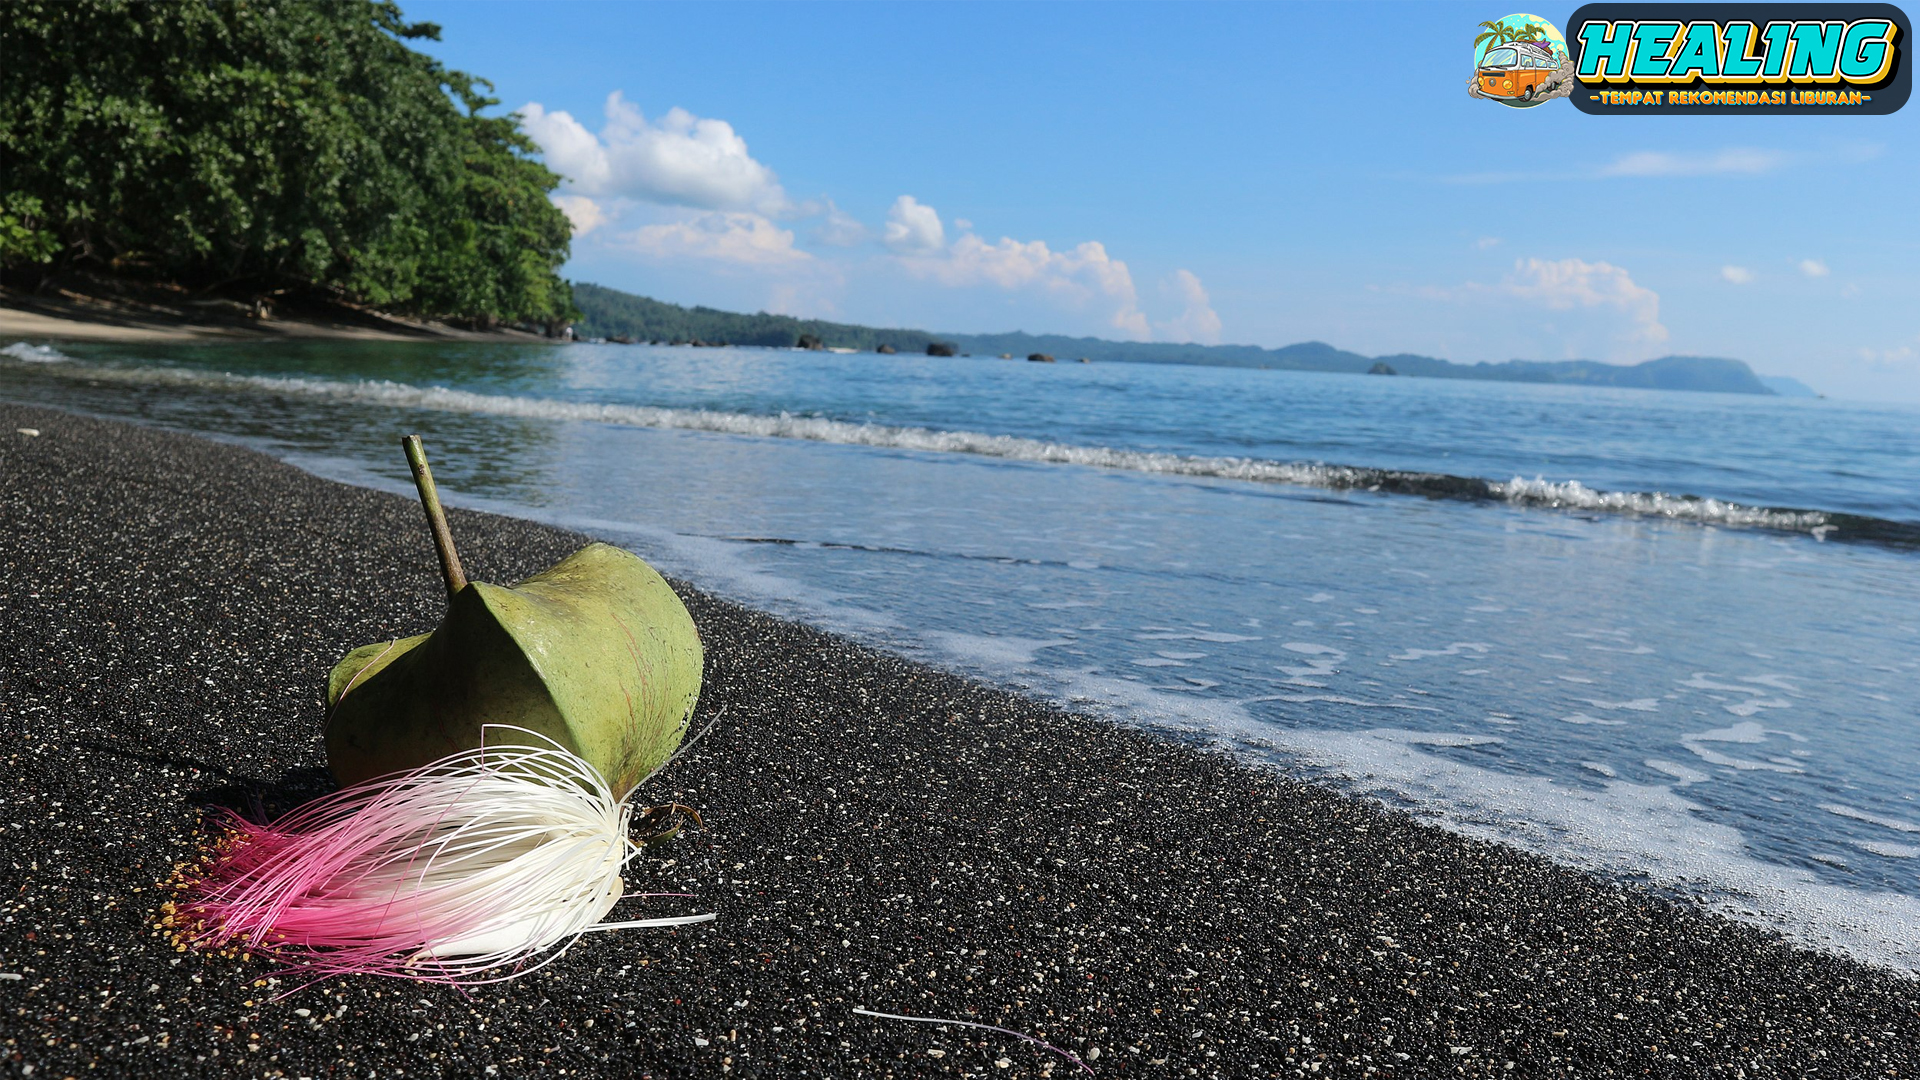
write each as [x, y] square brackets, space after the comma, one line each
[499, 238]
[269, 147]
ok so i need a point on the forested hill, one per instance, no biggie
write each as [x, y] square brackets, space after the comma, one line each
[609, 313]
[261, 150]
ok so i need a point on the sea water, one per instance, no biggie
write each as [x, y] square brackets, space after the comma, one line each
[1670, 637]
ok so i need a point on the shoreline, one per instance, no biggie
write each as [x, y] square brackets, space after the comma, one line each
[880, 835]
[70, 316]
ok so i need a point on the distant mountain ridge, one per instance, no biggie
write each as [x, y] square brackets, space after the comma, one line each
[1788, 386]
[609, 313]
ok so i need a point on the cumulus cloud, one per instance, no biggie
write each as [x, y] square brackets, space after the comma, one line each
[1739, 275]
[1486, 242]
[732, 206]
[913, 226]
[1197, 320]
[1086, 274]
[1602, 300]
[1748, 161]
[585, 214]
[739, 239]
[681, 159]
[570, 149]
[1814, 268]
[840, 229]
[1575, 283]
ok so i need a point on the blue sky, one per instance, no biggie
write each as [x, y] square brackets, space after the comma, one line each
[1240, 173]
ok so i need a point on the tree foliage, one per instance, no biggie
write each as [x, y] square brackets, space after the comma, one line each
[274, 145]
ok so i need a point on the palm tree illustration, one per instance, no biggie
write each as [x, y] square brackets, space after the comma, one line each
[1499, 33]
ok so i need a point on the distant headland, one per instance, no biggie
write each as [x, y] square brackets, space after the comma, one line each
[614, 315]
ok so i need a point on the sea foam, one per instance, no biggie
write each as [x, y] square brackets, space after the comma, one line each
[34, 354]
[1537, 492]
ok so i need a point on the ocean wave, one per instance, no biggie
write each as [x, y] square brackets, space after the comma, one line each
[34, 354]
[1519, 491]
[1572, 494]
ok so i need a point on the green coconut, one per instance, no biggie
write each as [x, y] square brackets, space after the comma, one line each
[596, 653]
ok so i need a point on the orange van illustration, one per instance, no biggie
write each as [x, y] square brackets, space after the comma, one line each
[1516, 70]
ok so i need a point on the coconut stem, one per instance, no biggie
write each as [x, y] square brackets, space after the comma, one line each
[436, 517]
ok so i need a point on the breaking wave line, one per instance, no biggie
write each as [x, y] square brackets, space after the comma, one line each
[1519, 491]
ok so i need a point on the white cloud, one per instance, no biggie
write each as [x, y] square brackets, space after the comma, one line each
[841, 229]
[681, 160]
[1575, 283]
[1897, 358]
[585, 214]
[1084, 275]
[1486, 242]
[1814, 268]
[1746, 161]
[570, 149]
[913, 226]
[734, 205]
[1197, 320]
[1739, 275]
[735, 238]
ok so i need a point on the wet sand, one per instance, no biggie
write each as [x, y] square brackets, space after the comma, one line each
[879, 835]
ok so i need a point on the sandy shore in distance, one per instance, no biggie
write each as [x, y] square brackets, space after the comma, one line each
[73, 317]
[878, 835]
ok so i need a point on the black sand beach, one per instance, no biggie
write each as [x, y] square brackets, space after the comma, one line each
[878, 835]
